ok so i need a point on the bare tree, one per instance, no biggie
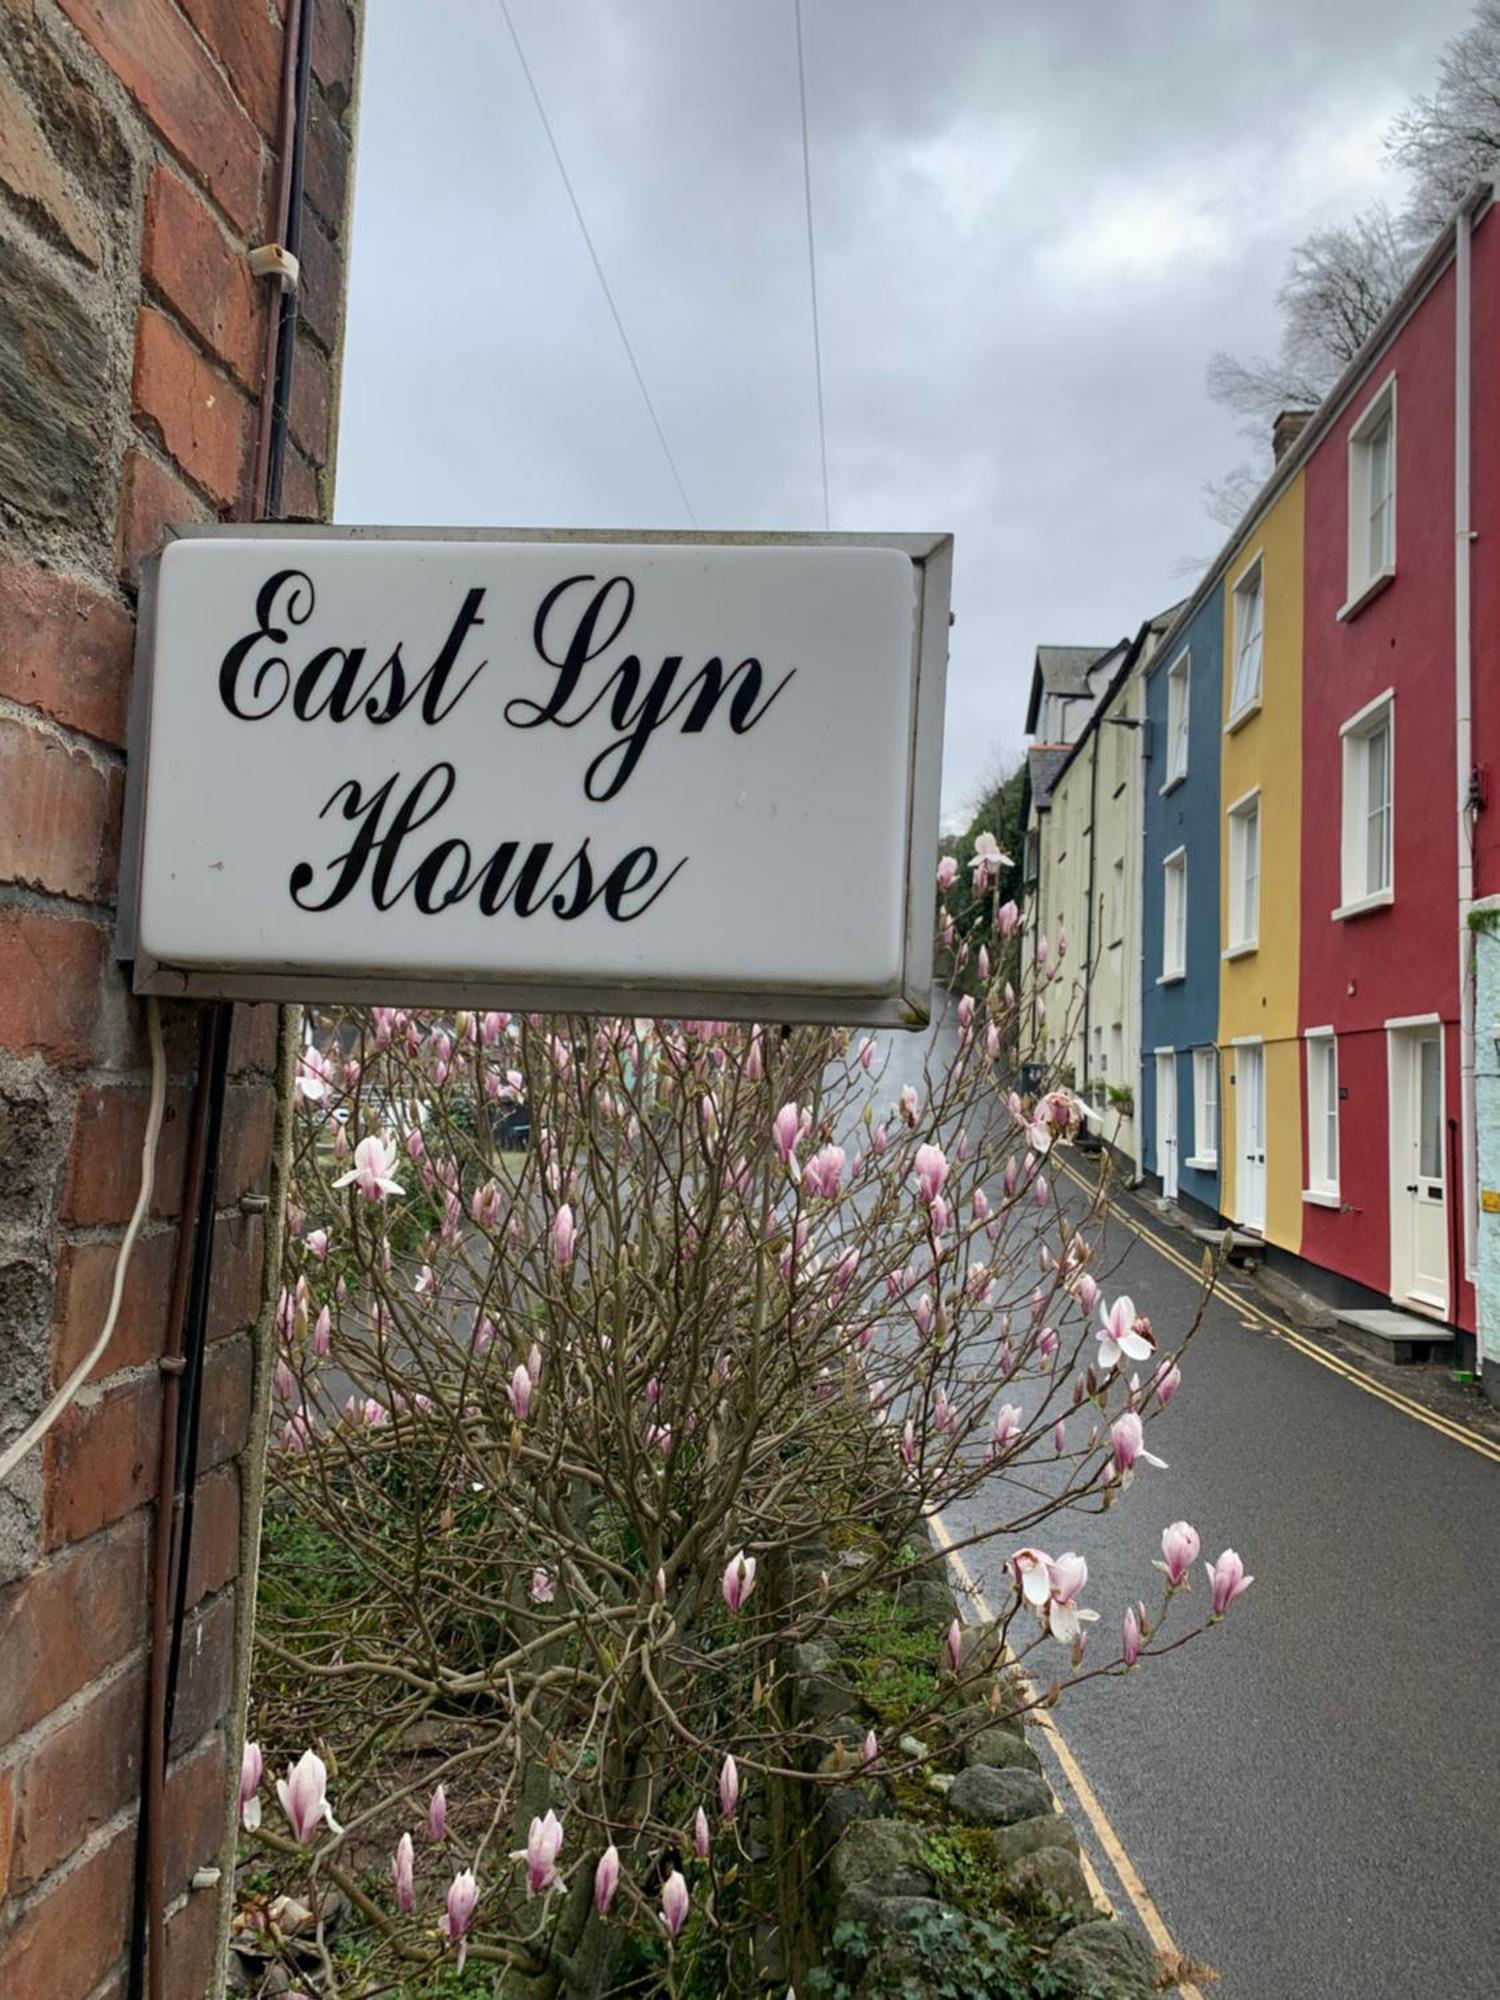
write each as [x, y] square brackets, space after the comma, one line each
[1451, 139]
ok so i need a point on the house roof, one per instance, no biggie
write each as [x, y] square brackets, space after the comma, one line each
[1061, 670]
[1043, 762]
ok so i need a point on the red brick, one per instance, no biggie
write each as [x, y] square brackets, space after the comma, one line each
[188, 407]
[71, 1936]
[321, 298]
[311, 401]
[77, 1777]
[55, 830]
[215, 1557]
[61, 994]
[327, 163]
[65, 650]
[194, 265]
[151, 500]
[255, 1040]
[166, 69]
[333, 50]
[196, 1818]
[100, 1461]
[104, 1168]
[235, 1284]
[300, 497]
[228, 1388]
[249, 1130]
[62, 1626]
[192, 1946]
[246, 36]
[85, 1278]
[205, 1677]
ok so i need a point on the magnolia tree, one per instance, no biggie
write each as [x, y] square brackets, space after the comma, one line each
[597, 1337]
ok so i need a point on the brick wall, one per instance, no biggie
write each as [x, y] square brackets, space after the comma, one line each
[136, 165]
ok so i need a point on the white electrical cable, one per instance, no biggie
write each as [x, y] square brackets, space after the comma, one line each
[17, 1449]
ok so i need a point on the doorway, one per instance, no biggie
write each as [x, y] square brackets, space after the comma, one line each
[1419, 1191]
[1166, 1121]
[1250, 1114]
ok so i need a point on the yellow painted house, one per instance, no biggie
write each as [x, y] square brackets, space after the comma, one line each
[1260, 837]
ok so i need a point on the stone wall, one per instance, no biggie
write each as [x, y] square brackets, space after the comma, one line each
[136, 168]
[950, 1833]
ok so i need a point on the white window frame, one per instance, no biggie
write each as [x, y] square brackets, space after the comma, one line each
[1355, 735]
[1322, 1188]
[1173, 968]
[1370, 571]
[1205, 1073]
[1250, 582]
[1179, 685]
[1243, 922]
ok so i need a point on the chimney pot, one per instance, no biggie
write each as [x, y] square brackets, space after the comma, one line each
[1286, 430]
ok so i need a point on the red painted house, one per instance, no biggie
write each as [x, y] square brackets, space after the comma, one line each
[1404, 463]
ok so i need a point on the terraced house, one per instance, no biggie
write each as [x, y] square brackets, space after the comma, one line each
[1321, 738]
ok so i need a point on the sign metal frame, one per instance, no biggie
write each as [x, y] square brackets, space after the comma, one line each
[907, 1004]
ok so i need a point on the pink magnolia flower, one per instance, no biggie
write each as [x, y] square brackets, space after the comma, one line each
[1130, 1636]
[824, 1172]
[317, 1244]
[867, 1052]
[1060, 1437]
[1122, 1334]
[739, 1581]
[1086, 1291]
[437, 1814]
[543, 1586]
[1007, 923]
[923, 1314]
[463, 1895]
[987, 862]
[966, 1013]
[314, 1075]
[1167, 1382]
[908, 1442]
[564, 1237]
[252, 1766]
[403, 1865]
[303, 1793]
[1179, 1547]
[519, 1392]
[932, 1172]
[701, 1840]
[729, 1788]
[606, 1879]
[953, 1645]
[1007, 1428]
[947, 873]
[675, 1900]
[1032, 1570]
[1127, 1438]
[1229, 1581]
[1065, 1616]
[786, 1129]
[544, 1841]
[374, 1163]
[942, 1410]
[908, 1104]
[984, 963]
[869, 1755]
[322, 1333]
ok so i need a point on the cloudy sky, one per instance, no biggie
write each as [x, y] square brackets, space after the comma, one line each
[1035, 223]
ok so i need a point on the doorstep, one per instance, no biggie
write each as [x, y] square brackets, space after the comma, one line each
[1244, 1249]
[1399, 1336]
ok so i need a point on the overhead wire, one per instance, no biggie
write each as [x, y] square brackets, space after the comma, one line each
[635, 367]
[812, 261]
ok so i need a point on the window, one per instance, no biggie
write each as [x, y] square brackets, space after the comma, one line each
[1177, 723]
[1249, 641]
[1174, 915]
[1117, 1053]
[1368, 877]
[1322, 1114]
[1244, 874]
[1372, 498]
[1205, 1108]
[1117, 900]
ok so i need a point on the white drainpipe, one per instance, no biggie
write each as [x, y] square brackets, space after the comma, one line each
[1463, 543]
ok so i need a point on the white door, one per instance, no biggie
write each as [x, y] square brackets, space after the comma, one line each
[1250, 1111]
[1419, 1219]
[1166, 1124]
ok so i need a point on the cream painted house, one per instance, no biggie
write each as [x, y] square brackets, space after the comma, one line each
[1085, 900]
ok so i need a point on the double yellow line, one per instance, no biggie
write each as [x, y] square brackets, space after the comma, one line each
[1445, 1426]
[1110, 1843]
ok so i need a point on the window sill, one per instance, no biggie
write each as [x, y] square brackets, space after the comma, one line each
[1363, 597]
[1245, 950]
[1170, 978]
[1208, 1164]
[1242, 716]
[1172, 784]
[1381, 900]
[1320, 1198]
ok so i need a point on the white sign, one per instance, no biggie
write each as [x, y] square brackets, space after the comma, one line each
[686, 774]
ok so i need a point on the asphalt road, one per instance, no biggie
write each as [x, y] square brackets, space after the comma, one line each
[1310, 1792]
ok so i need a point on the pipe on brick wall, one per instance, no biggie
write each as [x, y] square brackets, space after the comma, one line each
[182, 1362]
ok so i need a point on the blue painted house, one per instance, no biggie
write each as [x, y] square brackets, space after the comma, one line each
[1181, 1083]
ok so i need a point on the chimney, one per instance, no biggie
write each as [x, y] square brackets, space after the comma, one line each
[1286, 430]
